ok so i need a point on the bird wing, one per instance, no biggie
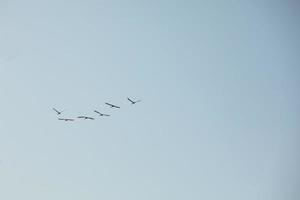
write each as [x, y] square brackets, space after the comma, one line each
[65, 119]
[56, 110]
[112, 105]
[97, 112]
[130, 100]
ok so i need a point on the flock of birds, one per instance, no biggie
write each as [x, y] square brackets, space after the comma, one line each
[99, 113]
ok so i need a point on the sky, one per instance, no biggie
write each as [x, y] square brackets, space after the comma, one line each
[219, 84]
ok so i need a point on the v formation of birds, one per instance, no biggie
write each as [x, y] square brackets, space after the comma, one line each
[58, 112]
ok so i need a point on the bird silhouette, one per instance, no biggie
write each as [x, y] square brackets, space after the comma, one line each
[85, 117]
[112, 106]
[65, 119]
[57, 111]
[101, 114]
[133, 102]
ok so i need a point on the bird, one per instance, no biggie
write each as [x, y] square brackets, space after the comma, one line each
[112, 106]
[85, 117]
[101, 114]
[133, 102]
[66, 119]
[57, 112]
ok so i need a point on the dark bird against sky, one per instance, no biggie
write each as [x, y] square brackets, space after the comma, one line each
[57, 111]
[65, 119]
[133, 102]
[85, 117]
[112, 106]
[101, 114]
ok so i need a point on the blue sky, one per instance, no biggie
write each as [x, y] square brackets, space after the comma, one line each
[219, 84]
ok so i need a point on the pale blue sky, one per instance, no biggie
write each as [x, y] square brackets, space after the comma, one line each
[219, 81]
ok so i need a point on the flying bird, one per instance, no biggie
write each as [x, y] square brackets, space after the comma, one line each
[133, 102]
[85, 117]
[112, 106]
[57, 111]
[66, 119]
[101, 114]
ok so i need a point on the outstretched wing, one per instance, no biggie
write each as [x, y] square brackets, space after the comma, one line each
[56, 111]
[109, 104]
[65, 119]
[113, 106]
[130, 100]
[101, 114]
[97, 112]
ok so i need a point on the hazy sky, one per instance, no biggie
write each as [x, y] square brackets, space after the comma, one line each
[219, 84]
